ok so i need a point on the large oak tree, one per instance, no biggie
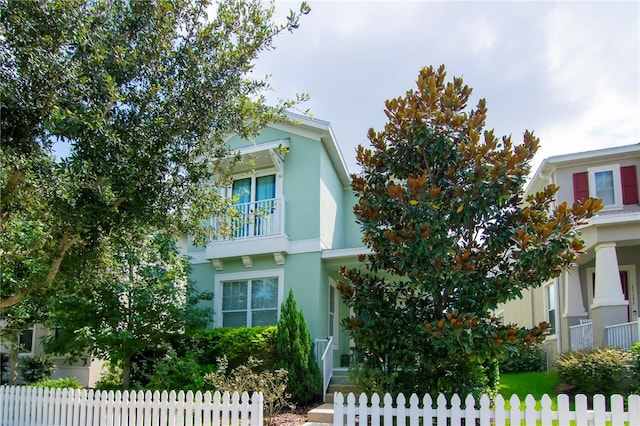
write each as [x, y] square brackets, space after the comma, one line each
[441, 207]
[139, 95]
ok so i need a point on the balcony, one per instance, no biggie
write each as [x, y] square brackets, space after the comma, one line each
[256, 227]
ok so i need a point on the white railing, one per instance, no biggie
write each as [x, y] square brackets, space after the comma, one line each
[254, 219]
[324, 356]
[371, 411]
[581, 336]
[29, 406]
[623, 336]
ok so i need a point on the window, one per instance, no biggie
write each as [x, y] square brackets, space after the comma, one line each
[250, 303]
[248, 299]
[616, 185]
[551, 306]
[25, 340]
[254, 199]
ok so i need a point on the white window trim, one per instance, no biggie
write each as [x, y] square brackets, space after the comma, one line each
[30, 352]
[617, 184]
[556, 307]
[243, 276]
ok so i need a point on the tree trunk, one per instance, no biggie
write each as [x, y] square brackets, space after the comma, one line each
[126, 372]
[13, 364]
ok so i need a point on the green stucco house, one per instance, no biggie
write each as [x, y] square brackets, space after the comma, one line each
[296, 228]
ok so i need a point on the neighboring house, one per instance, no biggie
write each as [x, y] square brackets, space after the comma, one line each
[595, 303]
[296, 228]
[86, 371]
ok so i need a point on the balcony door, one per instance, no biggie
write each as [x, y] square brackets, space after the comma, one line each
[254, 200]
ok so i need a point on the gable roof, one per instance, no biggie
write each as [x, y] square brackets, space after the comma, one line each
[308, 126]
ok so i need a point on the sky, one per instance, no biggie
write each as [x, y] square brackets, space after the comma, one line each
[567, 70]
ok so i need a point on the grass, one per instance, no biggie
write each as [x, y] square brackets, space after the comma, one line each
[523, 384]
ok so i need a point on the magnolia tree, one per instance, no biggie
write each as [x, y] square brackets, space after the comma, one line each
[136, 98]
[441, 207]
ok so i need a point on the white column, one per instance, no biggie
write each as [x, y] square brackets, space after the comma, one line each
[573, 301]
[608, 290]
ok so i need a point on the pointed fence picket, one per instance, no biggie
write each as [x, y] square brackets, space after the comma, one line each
[485, 412]
[29, 406]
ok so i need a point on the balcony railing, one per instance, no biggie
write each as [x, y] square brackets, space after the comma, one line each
[253, 219]
[622, 335]
[581, 336]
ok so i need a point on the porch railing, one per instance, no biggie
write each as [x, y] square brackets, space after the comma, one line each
[581, 336]
[324, 356]
[622, 335]
[253, 219]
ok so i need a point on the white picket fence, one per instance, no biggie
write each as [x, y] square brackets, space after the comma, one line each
[29, 406]
[371, 412]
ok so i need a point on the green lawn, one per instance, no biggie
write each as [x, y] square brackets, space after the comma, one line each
[523, 384]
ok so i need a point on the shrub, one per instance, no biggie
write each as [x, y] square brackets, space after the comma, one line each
[176, 372]
[525, 358]
[37, 368]
[110, 379]
[601, 370]
[234, 343]
[295, 352]
[252, 378]
[635, 350]
[63, 383]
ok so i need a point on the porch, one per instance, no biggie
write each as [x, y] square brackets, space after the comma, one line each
[621, 336]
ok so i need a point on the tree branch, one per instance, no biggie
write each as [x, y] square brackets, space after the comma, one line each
[66, 242]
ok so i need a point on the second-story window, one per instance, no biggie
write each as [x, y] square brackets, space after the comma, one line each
[255, 202]
[616, 185]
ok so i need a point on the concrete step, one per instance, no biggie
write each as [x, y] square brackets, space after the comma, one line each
[321, 414]
[345, 390]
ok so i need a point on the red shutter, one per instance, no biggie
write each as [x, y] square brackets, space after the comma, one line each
[580, 186]
[629, 185]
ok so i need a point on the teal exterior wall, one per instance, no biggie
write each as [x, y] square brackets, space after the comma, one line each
[301, 189]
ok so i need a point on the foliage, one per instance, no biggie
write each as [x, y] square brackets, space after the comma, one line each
[441, 206]
[523, 358]
[236, 344]
[179, 372]
[114, 115]
[63, 383]
[252, 378]
[131, 302]
[4, 366]
[601, 370]
[635, 350]
[111, 378]
[37, 368]
[295, 352]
